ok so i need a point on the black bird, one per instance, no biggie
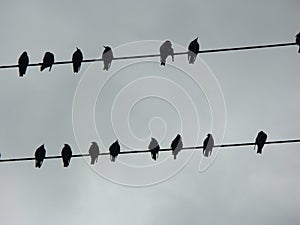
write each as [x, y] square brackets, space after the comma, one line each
[154, 148]
[107, 57]
[94, 152]
[66, 154]
[23, 63]
[298, 41]
[114, 150]
[208, 145]
[260, 141]
[176, 145]
[48, 61]
[193, 51]
[77, 58]
[165, 51]
[40, 155]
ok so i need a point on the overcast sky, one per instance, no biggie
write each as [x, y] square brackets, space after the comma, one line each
[261, 90]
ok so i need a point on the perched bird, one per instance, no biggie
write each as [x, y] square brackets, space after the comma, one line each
[77, 58]
[208, 145]
[260, 141]
[154, 148]
[94, 152]
[40, 155]
[165, 51]
[48, 61]
[193, 51]
[114, 150]
[176, 145]
[66, 154]
[23, 63]
[107, 57]
[298, 41]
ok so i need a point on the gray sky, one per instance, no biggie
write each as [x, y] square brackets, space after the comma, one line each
[260, 87]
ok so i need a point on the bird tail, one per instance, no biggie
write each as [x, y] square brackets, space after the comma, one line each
[21, 72]
[75, 69]
[50, 68]
[299, 50]
[66, 163]
[259, 150]
[154, 157]
[112, 158]
[93, 160]
[42, 67]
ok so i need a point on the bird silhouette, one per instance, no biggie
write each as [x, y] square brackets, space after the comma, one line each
[48, 61]
[94, 152]
[193, 50]
[260, 141]
[77, 58]
[154, 148]
[165, 51]
[114, 150]
[107, 57]
[176, 145]
[40, 155]
[66, 154]
[23, 63]
[298, 41]
[208, 145]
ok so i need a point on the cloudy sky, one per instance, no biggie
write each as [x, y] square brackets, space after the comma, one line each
[139, 99]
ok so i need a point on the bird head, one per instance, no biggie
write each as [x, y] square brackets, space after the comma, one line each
[106, 47]
[94, 143]
[208, 135]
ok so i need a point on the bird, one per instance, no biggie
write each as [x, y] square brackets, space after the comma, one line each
[165, 51]
[77, 58]
[66, 154]
[48, 61]
[208, 145]
[40, 155]
[107, 57]
[298, 41]
[114, 150]
[154, 148]
[94, 152]
[23, 63]
[176, 145]
[193, 50]
[260, 141]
